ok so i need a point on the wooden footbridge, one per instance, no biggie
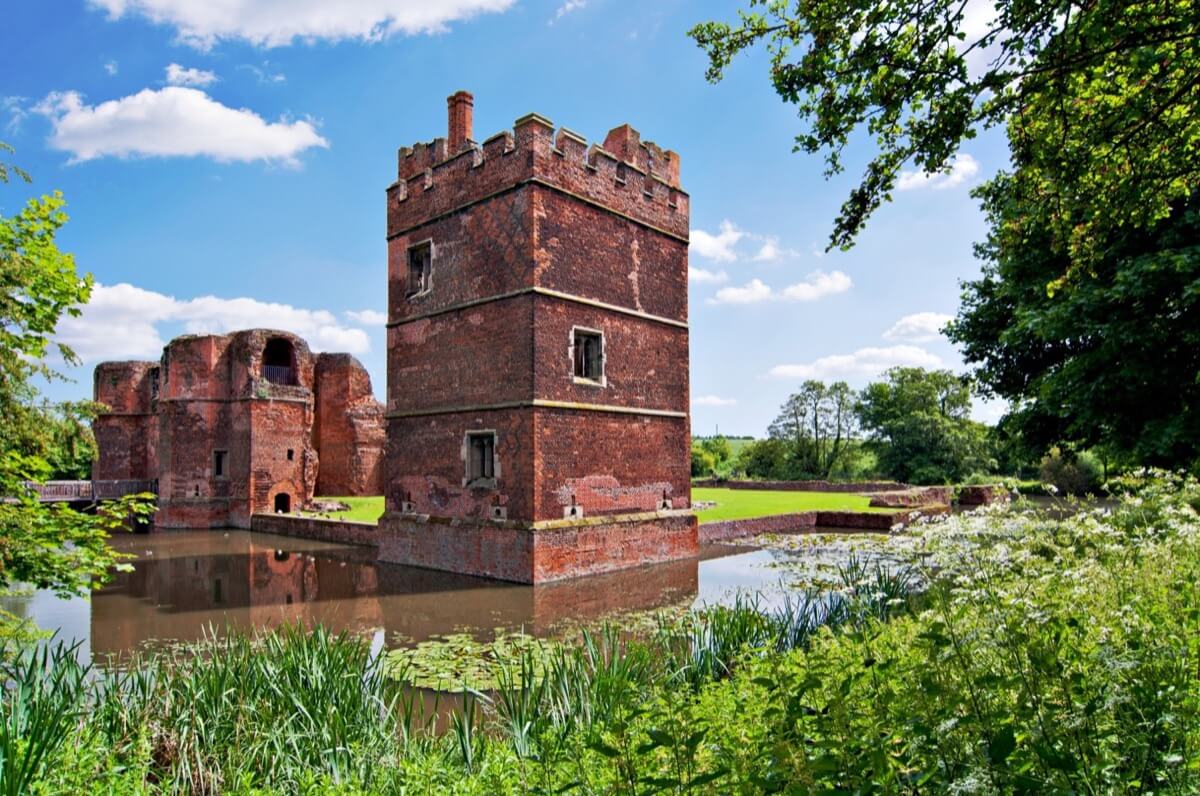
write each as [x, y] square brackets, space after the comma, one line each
[90, 491]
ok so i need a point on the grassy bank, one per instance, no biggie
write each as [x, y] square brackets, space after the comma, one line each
[732, 504]
[739, 504]
[1044, 655]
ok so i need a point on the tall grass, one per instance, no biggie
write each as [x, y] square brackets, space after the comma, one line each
[1046, 655]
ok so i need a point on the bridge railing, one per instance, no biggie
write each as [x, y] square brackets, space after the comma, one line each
[61, 491]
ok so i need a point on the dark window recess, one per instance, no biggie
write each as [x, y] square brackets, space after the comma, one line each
[220, 464]
[481, 464]
[589, 356]
[291, 455]
[283, 503]
[420, 269]
[277, 364]
[154, 384]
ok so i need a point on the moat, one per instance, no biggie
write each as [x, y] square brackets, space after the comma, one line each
[185, 584]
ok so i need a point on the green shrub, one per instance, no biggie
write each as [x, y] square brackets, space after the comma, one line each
[1071, 473]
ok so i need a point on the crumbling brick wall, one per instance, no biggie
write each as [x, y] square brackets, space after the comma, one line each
[244, 404]
[349, 432]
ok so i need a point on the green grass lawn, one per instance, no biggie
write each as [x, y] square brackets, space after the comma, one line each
[740, 504]
[732, 504]
[362, 509]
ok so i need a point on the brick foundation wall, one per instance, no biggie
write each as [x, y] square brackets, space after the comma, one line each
[506, 551]
[336, 531]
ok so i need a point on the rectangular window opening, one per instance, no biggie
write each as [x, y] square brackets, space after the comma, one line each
[588, 355]
[481, 457]
[420, 269]
[220, 462]
[291, 455]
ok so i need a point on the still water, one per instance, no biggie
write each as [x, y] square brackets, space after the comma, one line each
[186, 584]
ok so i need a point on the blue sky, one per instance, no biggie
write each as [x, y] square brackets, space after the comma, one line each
[224, 168]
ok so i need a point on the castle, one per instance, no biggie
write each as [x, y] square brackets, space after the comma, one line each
[233, 425]
[537, 406]
[537, 423]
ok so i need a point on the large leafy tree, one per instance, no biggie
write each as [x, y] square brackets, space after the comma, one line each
[49, 547]
[1110, 359]
[817, 423]
[1106, 92]
[919, 421]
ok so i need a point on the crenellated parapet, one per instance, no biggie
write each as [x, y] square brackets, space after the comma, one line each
[636, 179]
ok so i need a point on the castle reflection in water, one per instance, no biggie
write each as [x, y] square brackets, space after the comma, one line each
[186, 584]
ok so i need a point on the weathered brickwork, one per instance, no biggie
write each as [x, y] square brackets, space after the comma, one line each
[128, 432]
[537, 241]
[232, 425]
[350, 434]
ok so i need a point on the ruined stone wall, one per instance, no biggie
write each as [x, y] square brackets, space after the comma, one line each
[127, 433]
[349, 432]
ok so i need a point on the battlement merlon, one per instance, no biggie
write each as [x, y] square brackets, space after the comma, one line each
[635, 178]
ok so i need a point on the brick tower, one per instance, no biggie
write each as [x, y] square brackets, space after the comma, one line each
[537, 406]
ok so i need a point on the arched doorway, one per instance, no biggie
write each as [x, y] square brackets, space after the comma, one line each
[278, 365]
[283, 503]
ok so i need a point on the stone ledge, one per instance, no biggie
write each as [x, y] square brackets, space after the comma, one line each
[326, 530]
[539, 525]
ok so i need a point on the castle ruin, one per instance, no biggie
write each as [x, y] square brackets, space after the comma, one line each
[237, 424]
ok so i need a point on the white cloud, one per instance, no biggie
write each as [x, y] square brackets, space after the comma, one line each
[567, 8]
[367, 317]
[14, 107]
[962, 168]
[863, 363]
[770, 251]
[266, 74]
[172, 121]
[179, 76]
[123, 321]
[816, 285]
[920, 327]
[717, 247]
[111, 67]
[277, 23]
[701, 276]
[752, 292]
[712, 400]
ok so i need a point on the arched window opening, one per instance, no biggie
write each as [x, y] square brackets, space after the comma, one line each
[283, 503]
[278, 366]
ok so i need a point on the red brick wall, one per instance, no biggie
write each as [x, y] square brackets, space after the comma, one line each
[473, 357]
[425, 462]
[610, 462]
[349, 428]
[587, 251]
[126, 435]
[537, 556]
[645, 361]
[335, 531]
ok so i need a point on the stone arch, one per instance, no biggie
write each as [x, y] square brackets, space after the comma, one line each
[282, 503]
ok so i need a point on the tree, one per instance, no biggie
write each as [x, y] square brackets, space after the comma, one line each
[919, 421]
[51, 547]
[817, 423]
[1108, 359]
[1105, 94]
